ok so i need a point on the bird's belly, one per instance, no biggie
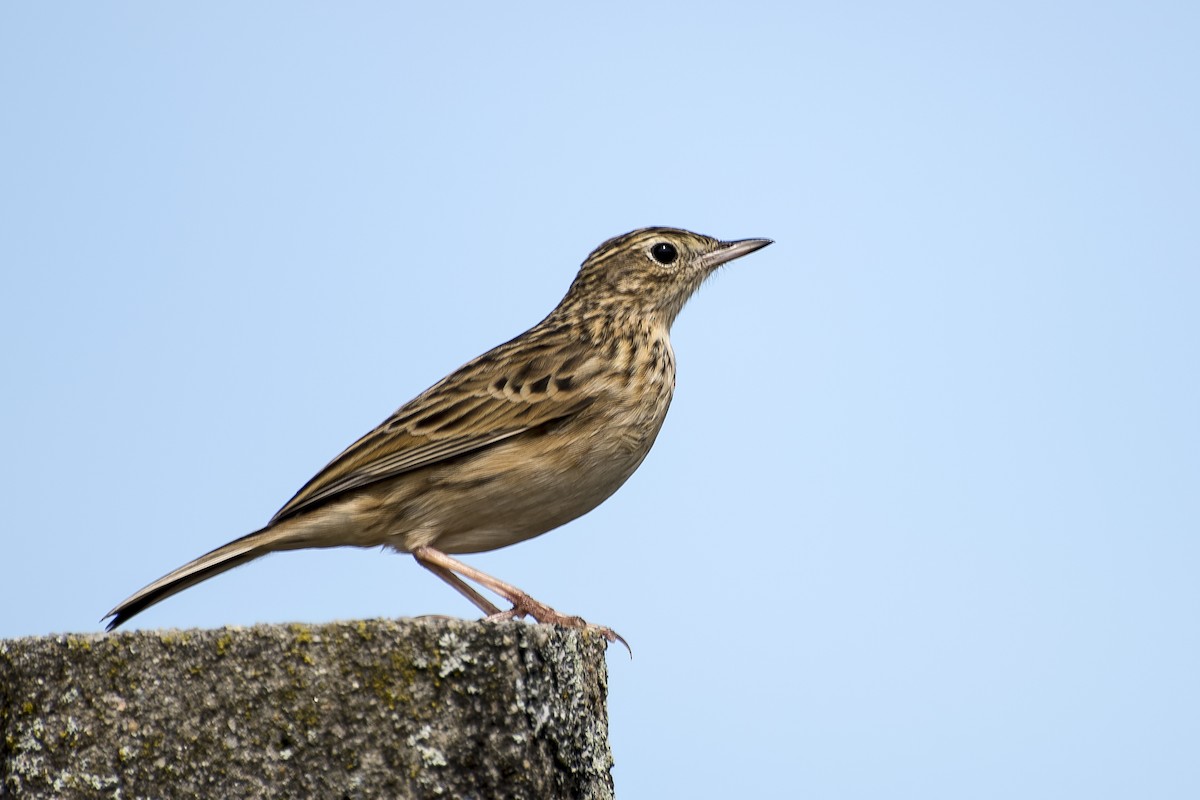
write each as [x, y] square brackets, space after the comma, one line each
[513, 492]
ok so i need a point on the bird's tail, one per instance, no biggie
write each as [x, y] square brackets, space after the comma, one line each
[225, 557]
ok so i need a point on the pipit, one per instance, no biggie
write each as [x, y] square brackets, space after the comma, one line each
[524, 438]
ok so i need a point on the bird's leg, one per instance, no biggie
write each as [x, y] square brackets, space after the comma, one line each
[446, 568]
[481, 602]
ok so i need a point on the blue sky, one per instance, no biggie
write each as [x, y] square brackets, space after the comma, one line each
[923, 520]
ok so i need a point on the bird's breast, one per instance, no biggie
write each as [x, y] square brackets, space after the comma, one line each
[536, 481]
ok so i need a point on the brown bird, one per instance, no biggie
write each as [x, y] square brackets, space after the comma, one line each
[524, 438]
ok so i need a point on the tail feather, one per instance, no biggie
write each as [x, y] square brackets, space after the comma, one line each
[225, 557]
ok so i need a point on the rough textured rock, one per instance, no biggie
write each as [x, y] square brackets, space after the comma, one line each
[379, 708]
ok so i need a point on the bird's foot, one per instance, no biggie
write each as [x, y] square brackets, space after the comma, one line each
[526, 606]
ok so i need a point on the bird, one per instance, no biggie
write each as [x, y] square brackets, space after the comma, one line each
[517, 442]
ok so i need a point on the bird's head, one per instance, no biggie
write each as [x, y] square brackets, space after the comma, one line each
[651, 272]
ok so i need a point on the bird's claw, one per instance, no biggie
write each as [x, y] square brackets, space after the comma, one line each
[526, 606]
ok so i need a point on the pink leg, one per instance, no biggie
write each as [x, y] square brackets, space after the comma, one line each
[446, 568]
[481, 602]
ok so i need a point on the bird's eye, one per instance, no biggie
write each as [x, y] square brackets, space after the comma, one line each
[664, 252]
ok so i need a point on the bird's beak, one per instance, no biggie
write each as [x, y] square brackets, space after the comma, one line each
[728, 251]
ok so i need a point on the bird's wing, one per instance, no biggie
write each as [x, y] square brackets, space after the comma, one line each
[497, 396]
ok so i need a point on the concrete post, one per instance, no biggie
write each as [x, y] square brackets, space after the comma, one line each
[370, 709]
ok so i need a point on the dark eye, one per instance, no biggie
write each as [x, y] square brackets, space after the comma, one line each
[664, 252]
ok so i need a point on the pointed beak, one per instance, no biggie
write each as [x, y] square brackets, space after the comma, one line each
[728, 251]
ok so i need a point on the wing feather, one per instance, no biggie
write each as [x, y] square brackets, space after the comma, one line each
[495, 397]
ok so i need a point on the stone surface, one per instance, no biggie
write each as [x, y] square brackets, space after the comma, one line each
[378, 708]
